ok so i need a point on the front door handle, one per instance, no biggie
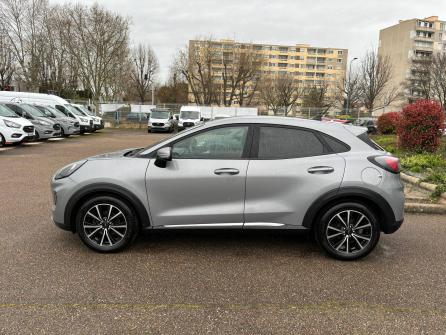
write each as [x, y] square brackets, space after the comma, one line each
[229, 171]
[321, 170]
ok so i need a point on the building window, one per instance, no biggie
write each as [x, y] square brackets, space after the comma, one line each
[340, 53]
[283, 49]
[283, 65]
[339, 60]
[283, 57]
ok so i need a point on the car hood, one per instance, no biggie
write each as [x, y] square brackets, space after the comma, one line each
[20, 120]
[112, 155]
[46, 119]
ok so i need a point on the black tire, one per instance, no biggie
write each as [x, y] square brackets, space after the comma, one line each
[2, 141]
[331, 231]
[62, 133]
[98, 241]
[37, 136]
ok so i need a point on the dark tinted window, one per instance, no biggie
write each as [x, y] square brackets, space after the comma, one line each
[283, 143]
[336, 145]
[365, 138]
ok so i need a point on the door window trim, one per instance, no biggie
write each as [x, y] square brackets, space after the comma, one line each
[247, 148]
[327, 150]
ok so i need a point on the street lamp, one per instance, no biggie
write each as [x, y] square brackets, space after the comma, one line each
[348, 84]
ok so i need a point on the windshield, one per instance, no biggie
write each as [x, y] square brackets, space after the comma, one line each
[85, 110]
[6, 112]
[189, 115]
[33, 111]
[159, 115]
[73, 110]
[55, 112]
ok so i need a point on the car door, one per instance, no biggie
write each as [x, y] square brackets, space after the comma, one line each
[204, 184]
[291, 167]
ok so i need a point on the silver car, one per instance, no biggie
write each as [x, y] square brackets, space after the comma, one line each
[242, 173]
[68, 125]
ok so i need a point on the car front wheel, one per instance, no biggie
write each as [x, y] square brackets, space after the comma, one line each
[348, 231]
[106, 224]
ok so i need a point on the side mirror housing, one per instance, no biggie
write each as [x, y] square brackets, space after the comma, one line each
[202, 119]
[163, 156]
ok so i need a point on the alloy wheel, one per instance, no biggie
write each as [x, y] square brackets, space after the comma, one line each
[349, 232]
[105, 225]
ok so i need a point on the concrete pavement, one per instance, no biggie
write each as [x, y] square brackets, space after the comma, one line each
[197, 282]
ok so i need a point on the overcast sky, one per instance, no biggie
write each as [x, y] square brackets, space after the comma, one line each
[353, 24]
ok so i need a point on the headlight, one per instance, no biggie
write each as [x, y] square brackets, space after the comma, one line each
[69, 170]
[11, 124]
[44, 123]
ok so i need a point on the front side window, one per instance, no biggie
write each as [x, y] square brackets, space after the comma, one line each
[287, 143]
[220, 143]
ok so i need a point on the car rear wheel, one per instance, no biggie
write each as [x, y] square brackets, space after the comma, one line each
[2, 141]
[348, 231]
[106, 224]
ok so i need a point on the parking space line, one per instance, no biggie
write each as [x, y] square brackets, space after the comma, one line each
[32, 143]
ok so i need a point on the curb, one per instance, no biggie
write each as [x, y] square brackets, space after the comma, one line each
[424, 208]
[418, 182]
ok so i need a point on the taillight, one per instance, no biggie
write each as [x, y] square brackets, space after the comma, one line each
[388, 163]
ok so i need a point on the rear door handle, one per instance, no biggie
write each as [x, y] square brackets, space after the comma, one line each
[321, 170]
[227, 171]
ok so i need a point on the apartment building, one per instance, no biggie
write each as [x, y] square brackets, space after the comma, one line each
[309, 65]
[407, 44]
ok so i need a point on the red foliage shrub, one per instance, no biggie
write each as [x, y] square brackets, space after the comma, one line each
[420, 125]
[388, 122]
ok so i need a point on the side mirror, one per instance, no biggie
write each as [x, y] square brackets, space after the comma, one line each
[171, 117]
[71, 115]
[202, 119]
[163, 156]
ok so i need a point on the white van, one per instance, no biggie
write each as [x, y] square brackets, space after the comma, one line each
[98, 123]
[161, 120]
[85, 122]
[13, 128]
[189, 116]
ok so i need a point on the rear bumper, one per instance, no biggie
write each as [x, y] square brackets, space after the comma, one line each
[392, 227]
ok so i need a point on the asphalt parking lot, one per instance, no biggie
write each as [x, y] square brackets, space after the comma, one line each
[196, 282]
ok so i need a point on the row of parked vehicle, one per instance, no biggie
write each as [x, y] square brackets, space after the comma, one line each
[33, 116]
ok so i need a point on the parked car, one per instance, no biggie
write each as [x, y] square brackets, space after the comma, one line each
[190, 116]
[161, 120]
[68, 126]
[244, 173]
[13, 128]
[43, 126]
[98, 123]
[85, 123]
[369, 123]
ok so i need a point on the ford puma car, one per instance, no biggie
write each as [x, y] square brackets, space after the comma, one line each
[241, 173]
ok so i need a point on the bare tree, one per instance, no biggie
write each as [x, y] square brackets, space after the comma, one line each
[143, 70]
[280, 93]
[22, 22]
[319, 96]
[438, 78]
[349, 91]
[375, 75]
[195, 63]
[98, 40]
[240, 75]
[7, 64]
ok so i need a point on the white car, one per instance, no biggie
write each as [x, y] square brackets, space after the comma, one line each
[189, 116]
[13, 128]
[97, 121]
[161, 120]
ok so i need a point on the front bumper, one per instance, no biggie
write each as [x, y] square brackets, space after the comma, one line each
[159, 128]
[85, 129]
[390, 228]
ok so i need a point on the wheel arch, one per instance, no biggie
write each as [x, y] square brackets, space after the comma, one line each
[369, 198]
[94, 190]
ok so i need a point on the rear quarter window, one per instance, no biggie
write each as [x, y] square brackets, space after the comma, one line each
[366, 139]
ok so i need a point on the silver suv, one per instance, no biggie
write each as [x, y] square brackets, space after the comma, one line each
[246, 173]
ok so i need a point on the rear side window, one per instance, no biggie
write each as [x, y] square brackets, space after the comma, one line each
[286, 143]
[335, 145]
[366, 139]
